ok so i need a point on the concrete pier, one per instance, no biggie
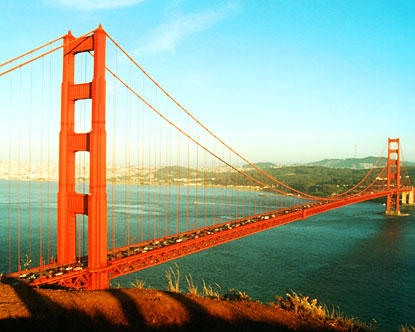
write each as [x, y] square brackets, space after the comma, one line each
[396, 213]
[408, 198]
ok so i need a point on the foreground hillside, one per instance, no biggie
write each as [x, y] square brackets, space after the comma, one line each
[23, 308]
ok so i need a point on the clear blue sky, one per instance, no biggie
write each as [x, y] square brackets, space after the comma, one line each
[281, 81]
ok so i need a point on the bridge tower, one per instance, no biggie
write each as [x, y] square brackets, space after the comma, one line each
[71, 203]
[394, 177]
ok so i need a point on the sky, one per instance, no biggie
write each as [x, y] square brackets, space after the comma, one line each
[284, 81]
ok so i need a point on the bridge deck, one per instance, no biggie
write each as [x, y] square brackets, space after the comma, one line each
[139, 256]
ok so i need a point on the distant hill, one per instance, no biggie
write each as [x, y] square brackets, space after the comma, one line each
[355, 163]
[260, 165]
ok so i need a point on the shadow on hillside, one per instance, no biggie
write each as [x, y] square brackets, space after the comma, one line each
[129, 307]
[201, 320]
[47, 315]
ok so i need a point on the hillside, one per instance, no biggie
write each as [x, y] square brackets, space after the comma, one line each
[355, 163]
[260, 165]
[23, 308]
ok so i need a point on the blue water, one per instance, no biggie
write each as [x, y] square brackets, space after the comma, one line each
[353, 258]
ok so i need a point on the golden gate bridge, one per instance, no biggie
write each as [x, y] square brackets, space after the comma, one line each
[141, 181]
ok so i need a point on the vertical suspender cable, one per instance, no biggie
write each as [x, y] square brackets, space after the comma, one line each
[286, 200]
[276, 201]
[250, 197]
[148, 174]
[128, 146]
[142, 167]
[49, 109]
[234, 189]
[159, 177]
[197, 176]
[171, 177]
[261, 196]
[125, 168]
[205, 183]
[214, 184]
[114, 163]
[30, 167]
[238, 191]
[10, 169]
[41, 164]
[178, 201]
[222, 188]
[137, 171]
[188, 180]
[230, 190]
[155, 173]
[255, 201]
[159, 174]
[155, 204]
[18, 175]
[243, 184]
[225, 190]
[167, 182]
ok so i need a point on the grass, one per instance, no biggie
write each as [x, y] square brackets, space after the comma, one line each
[209, 292]
[302, 305]
[138, 283]
[173, 277]
[234, 295]
[190, 285]
[407, 328]
[26, 262]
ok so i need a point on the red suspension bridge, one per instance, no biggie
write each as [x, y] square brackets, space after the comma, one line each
[141, 181]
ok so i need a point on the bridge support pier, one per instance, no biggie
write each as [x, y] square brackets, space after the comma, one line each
[395, 213]
[408, 198]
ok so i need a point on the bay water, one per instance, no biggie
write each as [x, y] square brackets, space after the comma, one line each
[353, 258]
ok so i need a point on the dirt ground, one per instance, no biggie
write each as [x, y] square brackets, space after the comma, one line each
[23, 308]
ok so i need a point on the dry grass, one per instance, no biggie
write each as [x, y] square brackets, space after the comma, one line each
[209, 292]
[138, 284]
[190, 285]
[173, 277]
[26, 262]
[302, 305]
[407, 328]
[26, 309]
[234, 295]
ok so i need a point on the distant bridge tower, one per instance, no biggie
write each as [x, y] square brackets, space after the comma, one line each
[394, 177]
[71, 203]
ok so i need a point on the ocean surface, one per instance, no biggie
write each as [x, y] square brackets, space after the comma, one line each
[353, 258]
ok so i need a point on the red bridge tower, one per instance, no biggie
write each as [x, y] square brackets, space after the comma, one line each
[71, 203]
[394, 177]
